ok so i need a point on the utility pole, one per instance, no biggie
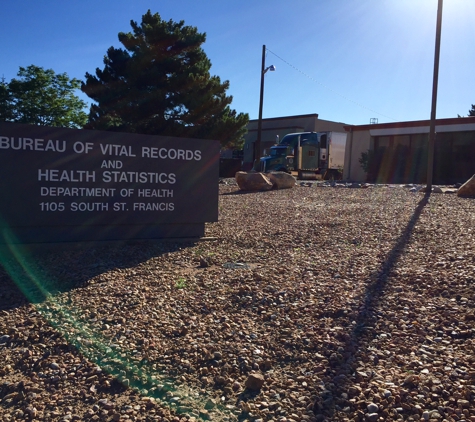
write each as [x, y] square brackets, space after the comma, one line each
[257, 145]
[257, 149]
[432, 134]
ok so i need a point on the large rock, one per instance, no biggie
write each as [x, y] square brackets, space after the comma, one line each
[281, 180]
[468, 188]
[253, 181]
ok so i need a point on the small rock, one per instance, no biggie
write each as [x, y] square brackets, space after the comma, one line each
[204, 414]
[106, 404]
[410, 379]
[373, 408]
[205, 262]
[210, 404]
[254, 382]
[31, 411]
[371, 417]
[236, 386]
[354, 391]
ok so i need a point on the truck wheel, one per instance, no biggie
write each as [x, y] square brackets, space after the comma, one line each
[332, 174]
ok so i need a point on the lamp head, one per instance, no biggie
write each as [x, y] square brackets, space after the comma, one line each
[271, 68]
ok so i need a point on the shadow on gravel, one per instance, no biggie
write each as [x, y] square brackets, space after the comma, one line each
[31, 275]
[356, 342]
[244, 192]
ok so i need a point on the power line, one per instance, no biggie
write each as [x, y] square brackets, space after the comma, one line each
[330, 89]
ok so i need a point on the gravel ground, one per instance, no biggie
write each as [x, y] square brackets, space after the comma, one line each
[307, 304]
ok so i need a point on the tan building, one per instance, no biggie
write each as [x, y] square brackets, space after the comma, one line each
[275, 128]
[399, 151]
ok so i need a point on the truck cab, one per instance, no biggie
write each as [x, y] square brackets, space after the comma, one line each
[285, 155]
[311, 154]
[276, 159]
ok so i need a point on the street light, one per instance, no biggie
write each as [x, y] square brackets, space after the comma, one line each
[257, 146]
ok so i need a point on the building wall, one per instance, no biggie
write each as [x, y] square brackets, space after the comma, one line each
[400, 151]
[329, 126]
[357, 142]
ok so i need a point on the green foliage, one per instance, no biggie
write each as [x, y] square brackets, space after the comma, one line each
[181, 283]
[471, 112]
[6, 110]
[365, 160]
[41, 97]
[161, 84]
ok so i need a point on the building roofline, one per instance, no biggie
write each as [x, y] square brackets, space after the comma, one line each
[278, 128]
[315, 115]
[409, 124]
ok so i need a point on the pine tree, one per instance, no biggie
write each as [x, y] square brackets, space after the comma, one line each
[160, 84]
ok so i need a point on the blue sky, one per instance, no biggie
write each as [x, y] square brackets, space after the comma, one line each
[346, 60]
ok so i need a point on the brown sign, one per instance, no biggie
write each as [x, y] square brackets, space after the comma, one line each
[62, 184]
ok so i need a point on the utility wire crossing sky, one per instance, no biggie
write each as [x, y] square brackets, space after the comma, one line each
[346, 60]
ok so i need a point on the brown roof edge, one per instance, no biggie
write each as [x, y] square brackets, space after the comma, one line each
[414, 123]
[286, 117]
[268, 129]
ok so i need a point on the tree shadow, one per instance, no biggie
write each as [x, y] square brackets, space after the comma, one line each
[31, 274]
[325, 404]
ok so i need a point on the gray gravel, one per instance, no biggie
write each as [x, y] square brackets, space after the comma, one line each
[309, 304]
